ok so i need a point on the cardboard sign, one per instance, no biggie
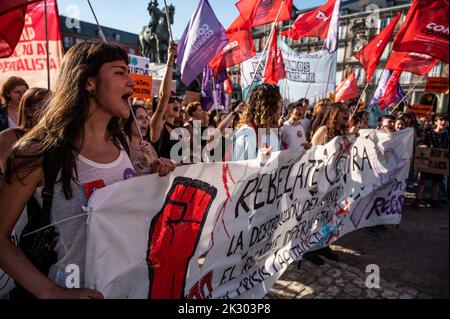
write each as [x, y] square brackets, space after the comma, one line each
[191, 96]
[143, 87]
[421, 110]
[437, 85]
[431, 160]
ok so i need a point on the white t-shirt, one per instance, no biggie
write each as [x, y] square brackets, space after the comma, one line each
[245, 142]
[292, 136]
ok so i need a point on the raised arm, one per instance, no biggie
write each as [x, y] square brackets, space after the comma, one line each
[157, 121]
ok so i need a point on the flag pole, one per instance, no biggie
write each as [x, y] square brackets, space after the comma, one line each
[360, 98]
[408, 93]
[102, 35]
[47, 45]
[168, 21]
[100, 31]
[265, 49]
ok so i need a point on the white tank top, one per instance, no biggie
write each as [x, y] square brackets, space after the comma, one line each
[69, 216]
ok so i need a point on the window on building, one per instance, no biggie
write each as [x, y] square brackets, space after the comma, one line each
[435, 71]
[116, 36]
[342, 32]
[68, 42]
[79, 40]
[405, 78]
[339, 76]
[340, 54]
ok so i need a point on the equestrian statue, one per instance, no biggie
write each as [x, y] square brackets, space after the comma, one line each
[154, 37]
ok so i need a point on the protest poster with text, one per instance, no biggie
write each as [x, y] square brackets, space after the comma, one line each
[230, 230]
[314, 74]
[29, 60]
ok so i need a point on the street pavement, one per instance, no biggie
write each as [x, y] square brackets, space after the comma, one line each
[412, 260]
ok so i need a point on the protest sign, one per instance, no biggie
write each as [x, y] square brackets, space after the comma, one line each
[304, 73]
[433, 161]
[421, 110]
[230, 230]
[138, 67]
[29, 60]
[436, 85]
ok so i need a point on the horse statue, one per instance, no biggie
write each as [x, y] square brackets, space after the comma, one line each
[154, 37]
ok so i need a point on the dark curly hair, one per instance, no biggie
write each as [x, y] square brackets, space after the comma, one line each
[262, 106]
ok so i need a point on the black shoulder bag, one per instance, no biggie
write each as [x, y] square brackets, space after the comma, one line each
[38, 239]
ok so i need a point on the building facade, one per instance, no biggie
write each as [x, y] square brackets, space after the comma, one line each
[361, 20]
[86, 31]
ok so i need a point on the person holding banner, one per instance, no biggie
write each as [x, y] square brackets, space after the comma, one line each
[293, 134]
[11, 93]
[335, 125]
[434, 138]
[80, 139]
[142, 154]
[255, 126]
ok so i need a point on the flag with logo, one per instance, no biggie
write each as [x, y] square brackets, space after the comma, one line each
[255, 13]
[413, 62]
[202, 39]
[240, 47]
[314, 23]
[426, 29]
[370, 55]
[274, 70]
[391, 93]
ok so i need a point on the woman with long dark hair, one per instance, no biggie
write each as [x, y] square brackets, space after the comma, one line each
[80, 132]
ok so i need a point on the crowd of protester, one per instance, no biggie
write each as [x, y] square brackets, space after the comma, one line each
[86, 130]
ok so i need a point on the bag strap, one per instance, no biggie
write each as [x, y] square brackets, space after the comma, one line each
[51, 166]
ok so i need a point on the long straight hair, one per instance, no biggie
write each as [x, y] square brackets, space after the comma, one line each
[61, 127]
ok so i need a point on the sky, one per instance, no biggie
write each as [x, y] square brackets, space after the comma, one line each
[131, 15]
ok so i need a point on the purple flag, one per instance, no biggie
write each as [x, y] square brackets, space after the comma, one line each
[331, 42]
[202, 39]
[209, 97]
[382, 88]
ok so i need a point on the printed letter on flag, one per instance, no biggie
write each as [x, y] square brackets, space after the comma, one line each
[412, 62]
[202, 39]
[313, 23]
[426, 29]
[260, 12]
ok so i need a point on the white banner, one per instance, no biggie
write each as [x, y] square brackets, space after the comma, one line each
[318, 72]
[230, 230]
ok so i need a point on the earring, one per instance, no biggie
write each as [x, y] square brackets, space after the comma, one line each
[92, 94]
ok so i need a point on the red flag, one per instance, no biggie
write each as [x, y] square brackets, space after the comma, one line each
[274, 70]
[313, 23]
[390, 94]
[260, 12]
[12, 21]
[412, 62]
[370, 55]
[240, 47]
[426, 29]
[227, 86]
[348, 89]
[29, 59]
